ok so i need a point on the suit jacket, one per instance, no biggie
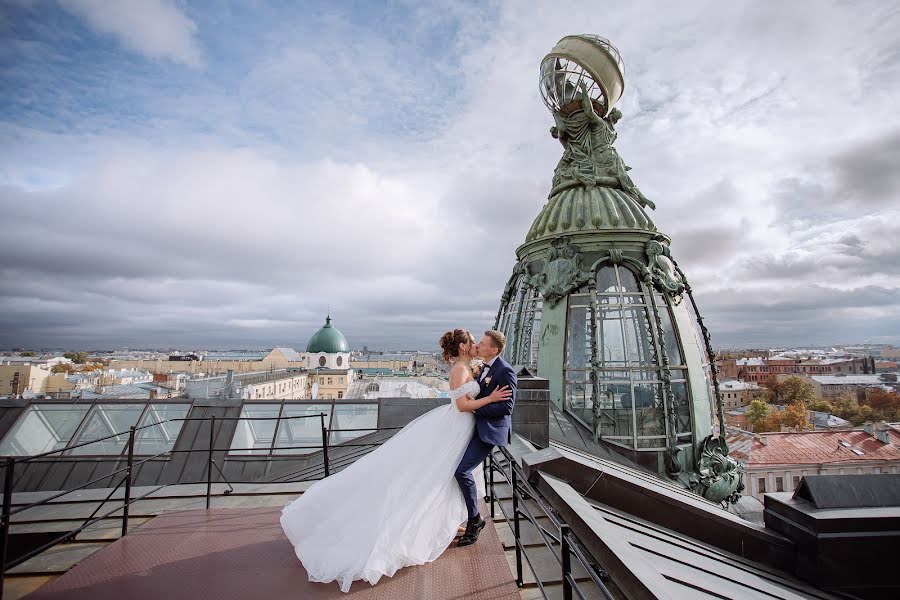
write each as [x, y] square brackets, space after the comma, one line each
[493, 422]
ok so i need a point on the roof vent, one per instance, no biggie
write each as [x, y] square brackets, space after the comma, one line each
[850, 491]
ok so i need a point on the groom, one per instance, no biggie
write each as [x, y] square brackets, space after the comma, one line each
[493, 426]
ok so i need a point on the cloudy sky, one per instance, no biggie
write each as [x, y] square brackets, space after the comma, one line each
[220, 174]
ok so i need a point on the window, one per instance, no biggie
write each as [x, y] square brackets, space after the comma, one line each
[306, 431]
[628, 383]
[330, 381]
[42, 428]
[339, 361]
[255, 431]
[155, 440]
[795, 480]
[46, 427]
[779, 484]
[352, 416]
[520, 321]
[340, 395]
[761, 485]
[321, 361]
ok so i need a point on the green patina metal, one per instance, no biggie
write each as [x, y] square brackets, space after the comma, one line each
[597, 305]
[327, 340]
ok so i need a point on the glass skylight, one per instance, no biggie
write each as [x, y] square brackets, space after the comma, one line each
[42, 428]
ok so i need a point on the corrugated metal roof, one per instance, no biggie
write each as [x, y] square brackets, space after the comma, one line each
[821, 447]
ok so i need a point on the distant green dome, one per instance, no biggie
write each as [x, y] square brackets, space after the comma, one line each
[328, 340]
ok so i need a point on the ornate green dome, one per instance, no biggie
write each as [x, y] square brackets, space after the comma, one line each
[328, 340]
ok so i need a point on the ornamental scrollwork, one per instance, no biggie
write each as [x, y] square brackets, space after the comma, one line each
[562, 271]
[720, 477]
[662, 268]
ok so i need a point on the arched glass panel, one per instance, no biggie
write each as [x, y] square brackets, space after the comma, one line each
[520, 322]
[530, 334]
[631, 402]
[704, 357]
[513, 319]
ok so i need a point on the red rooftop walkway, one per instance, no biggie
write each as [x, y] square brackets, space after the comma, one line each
[242, 553]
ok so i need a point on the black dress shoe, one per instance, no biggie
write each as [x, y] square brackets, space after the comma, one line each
[473, 530]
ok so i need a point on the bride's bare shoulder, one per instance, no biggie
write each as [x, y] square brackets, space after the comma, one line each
[460, 370]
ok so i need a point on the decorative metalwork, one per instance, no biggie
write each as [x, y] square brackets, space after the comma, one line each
[589, 158]
[719, 477]
[562, 271]
[614, 313]
[662, 268]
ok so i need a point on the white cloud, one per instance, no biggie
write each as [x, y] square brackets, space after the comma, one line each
[154, 28]
[311, 184]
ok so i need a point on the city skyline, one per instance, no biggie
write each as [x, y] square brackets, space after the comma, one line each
[181, 177]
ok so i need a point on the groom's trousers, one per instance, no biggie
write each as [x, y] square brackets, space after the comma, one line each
[474, 454]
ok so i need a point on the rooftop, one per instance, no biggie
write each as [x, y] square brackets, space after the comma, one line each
[289, 353]
[823, 447]
[734, 385]
[847, 379]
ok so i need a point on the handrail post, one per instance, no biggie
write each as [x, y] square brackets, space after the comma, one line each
[491, 467]
[7, 508]
[324, 443]
[128, 482]
[566, 561]
[212, 428]
[516, 531]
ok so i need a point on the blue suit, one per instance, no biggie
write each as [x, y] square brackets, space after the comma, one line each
[493, 427]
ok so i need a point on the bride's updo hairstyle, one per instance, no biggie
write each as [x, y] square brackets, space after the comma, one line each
[450, 342]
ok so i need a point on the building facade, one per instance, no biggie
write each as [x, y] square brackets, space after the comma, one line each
[777, 461]
[758, 369]
[736, 394]
[832, 386]
[22, 380]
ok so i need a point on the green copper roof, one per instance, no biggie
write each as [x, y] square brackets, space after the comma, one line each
[583, 208]
[328, 340]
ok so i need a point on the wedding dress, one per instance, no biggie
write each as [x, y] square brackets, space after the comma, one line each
[398, 506]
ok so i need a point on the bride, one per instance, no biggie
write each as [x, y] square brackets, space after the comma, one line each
[399, 505]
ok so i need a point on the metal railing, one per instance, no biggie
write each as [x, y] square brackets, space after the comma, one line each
[562, 537]
[10, 463]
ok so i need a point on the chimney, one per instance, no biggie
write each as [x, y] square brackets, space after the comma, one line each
[883, 437]
[229, 382]
[869, 428]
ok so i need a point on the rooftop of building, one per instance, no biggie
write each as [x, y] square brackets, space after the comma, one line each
[848, 379]
[823, 447]
[289, 353]
[125, 391]
[387, 387]
[376, 356]
[735, 385]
